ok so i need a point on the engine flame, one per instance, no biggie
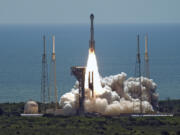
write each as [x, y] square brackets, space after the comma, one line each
[93, 67]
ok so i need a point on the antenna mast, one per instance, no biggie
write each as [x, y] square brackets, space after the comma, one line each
[44, 75]
[138, 70]
[146, 58]
[53, 75]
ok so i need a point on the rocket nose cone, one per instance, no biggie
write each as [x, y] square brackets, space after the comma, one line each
[92, 16]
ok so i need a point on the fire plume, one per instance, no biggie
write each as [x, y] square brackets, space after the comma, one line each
[94, 78]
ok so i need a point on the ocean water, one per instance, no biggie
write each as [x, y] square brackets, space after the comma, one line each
[21, 49]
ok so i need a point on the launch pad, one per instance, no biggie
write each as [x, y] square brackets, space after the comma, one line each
[95, 95]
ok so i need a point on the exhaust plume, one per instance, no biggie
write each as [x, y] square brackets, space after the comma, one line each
[119, 95]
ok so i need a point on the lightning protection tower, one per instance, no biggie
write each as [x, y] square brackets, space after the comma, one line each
[146, 66]
[146, 58]
[44, 76]
[138, 71]
[52, 86]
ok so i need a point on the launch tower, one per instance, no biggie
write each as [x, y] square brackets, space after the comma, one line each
[79, 73]
[52, 86]
[138, 70]
[146, 58]
[146, 66]
[44, 76]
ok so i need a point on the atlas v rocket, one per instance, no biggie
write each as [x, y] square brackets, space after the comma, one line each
[92, 49]
[91, 41]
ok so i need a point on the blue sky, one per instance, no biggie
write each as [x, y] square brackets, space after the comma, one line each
[78, 11]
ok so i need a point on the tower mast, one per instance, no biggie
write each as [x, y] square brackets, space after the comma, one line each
[44, 75]
[138, 70]
[146, 58]
[53, 74]
[146, 66]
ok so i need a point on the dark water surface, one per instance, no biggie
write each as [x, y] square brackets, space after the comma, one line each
[21, 50]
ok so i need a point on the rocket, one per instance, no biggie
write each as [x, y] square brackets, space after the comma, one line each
[91, 41]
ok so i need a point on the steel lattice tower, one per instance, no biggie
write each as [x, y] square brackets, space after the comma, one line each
[44, 75]
[138, 70]
[53, 77]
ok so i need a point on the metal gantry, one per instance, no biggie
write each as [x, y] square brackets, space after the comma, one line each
[79, 73]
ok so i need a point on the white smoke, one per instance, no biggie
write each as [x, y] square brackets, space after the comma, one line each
[119, 96]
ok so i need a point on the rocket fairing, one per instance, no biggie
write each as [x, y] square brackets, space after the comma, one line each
[91, 41]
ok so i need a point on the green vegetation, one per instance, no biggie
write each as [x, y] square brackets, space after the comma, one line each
[11, 123]
[170, 106]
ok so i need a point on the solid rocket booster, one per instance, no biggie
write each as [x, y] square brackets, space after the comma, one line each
[92, 42]
[91, 82]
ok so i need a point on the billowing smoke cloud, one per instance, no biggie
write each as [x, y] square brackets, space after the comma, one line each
[120, 95]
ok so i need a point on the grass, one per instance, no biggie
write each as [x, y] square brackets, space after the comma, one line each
[11, 123]
[77, 125]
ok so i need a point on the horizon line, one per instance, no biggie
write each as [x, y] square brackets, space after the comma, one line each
[78, 23]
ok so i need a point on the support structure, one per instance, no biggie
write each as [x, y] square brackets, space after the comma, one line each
[44, 75]
[52, 86]
[146, 66]
[79, 73]
[146, 58]
[138, 71]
